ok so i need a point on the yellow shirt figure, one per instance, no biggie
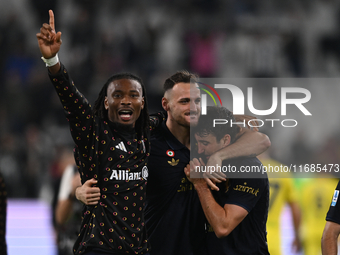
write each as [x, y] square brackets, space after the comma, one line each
[282, 192]
[315, 196]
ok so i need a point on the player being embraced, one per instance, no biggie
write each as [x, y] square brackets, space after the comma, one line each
[237, 213]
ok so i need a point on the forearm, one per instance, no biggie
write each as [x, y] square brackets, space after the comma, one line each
[55, 69]
[63, 211]
[329, 245]
[214, 213]
[329, 241]
[248, 144]
[296, 218]
[77, 109]
[68, 93]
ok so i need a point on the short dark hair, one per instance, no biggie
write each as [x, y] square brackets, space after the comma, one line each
[179, 76]
[142, 123]
[205, 124]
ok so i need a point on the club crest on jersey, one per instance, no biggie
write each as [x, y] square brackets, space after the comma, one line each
[335, 197]
[173, 162]
[170, 153]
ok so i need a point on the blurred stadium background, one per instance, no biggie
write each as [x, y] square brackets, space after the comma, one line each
[152, 38]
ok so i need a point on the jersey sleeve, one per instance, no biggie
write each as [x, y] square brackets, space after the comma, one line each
[334, 209]
[77, 109]
[245, 192]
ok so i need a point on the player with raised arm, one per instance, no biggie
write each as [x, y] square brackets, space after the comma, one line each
[112, 147]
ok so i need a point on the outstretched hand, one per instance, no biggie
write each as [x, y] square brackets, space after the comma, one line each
[49, 41]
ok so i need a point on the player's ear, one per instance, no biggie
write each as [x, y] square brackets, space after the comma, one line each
[106, 103]
[226, 140]
[165, 104]
[143, 102]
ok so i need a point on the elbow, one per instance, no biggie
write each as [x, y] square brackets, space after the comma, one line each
[266, 143]
[221, 232]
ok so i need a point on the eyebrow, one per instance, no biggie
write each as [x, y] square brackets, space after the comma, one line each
[182, 98]
[202, 140]
[132, 90]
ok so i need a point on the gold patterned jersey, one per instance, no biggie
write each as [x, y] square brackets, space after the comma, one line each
[117, 158]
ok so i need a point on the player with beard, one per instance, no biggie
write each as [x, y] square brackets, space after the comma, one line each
[174, 217]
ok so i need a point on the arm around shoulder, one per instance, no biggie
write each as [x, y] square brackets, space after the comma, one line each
[248, 144]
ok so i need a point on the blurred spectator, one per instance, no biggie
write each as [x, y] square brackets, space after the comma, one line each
[37, 157]
[282, 193]
[301, 153]
[262, 54]
[202, 53]
[41, 8]
[11, 164]
[294, 53]
[81, 48]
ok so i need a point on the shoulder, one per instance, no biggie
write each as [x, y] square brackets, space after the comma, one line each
[245, 167]
[157, 119]
[251, 161]
[254, 182]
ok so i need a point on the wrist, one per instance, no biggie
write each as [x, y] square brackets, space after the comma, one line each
[219, 156]
[201, 184]
[76, 194]
[51, 61]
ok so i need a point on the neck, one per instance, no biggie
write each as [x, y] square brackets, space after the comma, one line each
[122, 128]
[182, 133]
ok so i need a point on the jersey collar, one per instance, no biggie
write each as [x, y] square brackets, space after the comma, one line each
[171, 139]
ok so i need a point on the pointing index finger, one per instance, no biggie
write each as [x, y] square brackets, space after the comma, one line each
[51, 19]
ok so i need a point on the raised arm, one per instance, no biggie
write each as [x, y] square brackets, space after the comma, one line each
[77, 109]
[49, 43]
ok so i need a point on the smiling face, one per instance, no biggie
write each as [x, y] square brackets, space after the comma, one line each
[183, 104]
[124, 101]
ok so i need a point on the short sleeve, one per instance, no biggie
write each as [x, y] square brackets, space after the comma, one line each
[245, 192]
[334, 209]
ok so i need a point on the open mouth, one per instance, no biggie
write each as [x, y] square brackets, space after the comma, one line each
[125, 114]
